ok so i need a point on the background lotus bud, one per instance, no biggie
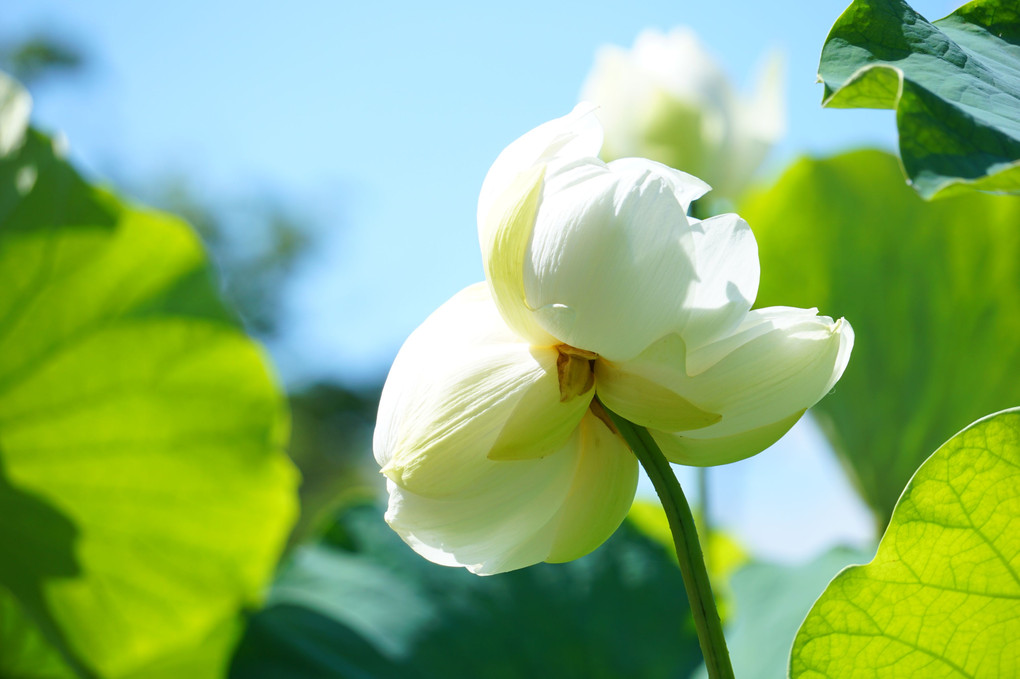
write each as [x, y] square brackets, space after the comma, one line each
[667, 99]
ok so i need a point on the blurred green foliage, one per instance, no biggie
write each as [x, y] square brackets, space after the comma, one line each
[331, 443]
[31, 59]
[940, 597]
[256, 240]
[363, 604]
[931, 289]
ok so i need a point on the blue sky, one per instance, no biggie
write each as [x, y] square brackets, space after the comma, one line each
[379, 120]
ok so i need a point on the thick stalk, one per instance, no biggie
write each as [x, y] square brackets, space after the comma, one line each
[701, 517]
[688, 550]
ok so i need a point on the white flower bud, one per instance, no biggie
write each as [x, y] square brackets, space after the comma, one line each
[666, 99]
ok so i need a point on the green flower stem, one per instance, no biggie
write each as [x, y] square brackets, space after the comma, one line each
[688, 550]
[701, 519]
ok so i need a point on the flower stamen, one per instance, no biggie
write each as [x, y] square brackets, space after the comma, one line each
[576, 372]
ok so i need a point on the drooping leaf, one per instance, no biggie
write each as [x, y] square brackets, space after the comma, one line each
[374, 608]
[144, 494]
[955, 85]
[940, 598]
[933, 293]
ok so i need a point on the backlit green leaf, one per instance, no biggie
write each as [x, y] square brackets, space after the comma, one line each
[955, 85]
[144, 494]
[932, 290]
[942, 596]
[26, 652]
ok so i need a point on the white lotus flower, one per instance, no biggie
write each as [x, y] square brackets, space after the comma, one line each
[497, 452]
[666, 99]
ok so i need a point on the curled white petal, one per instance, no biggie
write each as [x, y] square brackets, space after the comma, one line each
[600, 493]
[726, 257]
[518, 513]
[645, 401]
[760, 379]
[575, 249]
[464, 386]
[780, 361]
[610, 263]
[512, 221]
[722, 449]
[575, 135]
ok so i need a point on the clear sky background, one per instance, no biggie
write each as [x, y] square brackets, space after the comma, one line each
[379, 121]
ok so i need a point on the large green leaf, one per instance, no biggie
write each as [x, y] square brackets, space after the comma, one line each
[932, 291]
[24, 651]
[955, 85]
[940, 598]
[375, 609]
[144, 494]
[27, 654]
